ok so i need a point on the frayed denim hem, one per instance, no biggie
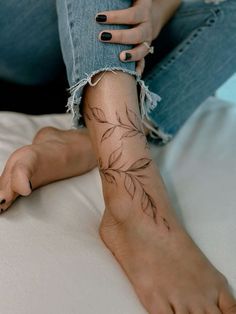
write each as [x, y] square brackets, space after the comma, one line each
[148, 101]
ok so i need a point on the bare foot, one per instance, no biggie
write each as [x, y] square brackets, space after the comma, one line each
[168, 271]
[54, 155]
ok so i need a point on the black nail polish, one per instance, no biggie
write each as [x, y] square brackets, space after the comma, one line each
[128, 56]
[101, 18]
[30, 184]
[3, 202]
[106, 36]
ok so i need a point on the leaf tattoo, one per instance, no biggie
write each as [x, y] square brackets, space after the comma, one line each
[114, 157]
[148, 202]
[133, 180]
[130, 185]
[133, 174]
[132, 127]
[98, 114]
[140, 164]
[108, 133]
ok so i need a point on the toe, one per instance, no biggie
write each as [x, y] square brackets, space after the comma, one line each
[20, 180]
[7, 196]
[227, 303]
[180, 309]
[198, 310]
[2, 201]
[161, 307]
[213, 310]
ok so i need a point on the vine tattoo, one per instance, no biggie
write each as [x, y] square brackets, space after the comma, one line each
[132, 177]
[133, 174]
[133, 180]
[132, 127]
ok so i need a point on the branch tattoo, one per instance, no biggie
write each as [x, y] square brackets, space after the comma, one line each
[133, 174]
[132, 127]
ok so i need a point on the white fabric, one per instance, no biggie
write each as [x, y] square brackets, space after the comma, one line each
[52, 259]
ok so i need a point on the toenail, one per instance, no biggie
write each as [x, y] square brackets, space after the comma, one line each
[2, 201]
[2, 210]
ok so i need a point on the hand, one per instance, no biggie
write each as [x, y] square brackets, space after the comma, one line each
[147, 17]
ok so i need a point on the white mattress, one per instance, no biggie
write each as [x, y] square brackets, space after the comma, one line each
[52, 259]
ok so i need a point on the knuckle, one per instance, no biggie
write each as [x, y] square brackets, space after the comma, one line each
[146, 12]
[149, 34]
[138, 35]
[146, 32]
[136, 13]
[133, 16]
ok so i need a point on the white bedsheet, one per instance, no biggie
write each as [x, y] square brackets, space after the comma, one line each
[52, 259]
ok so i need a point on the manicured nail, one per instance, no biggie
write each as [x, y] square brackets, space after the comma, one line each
[106, 36]
[3, 202]
[128, 56]
[101, 18]
[30, 184]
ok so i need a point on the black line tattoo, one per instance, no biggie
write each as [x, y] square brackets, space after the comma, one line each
[133, 177]
[132, 128]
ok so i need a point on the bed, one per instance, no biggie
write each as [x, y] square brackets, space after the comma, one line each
[52, 258]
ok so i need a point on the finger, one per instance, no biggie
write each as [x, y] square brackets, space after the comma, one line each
[135, 54]
[131, 36]
[140, 66]
[131, 16]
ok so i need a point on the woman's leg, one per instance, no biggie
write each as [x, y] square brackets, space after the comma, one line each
[138, 226]
[195, 54]
[167, 270]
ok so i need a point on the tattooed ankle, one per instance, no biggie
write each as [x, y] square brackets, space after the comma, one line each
[133, 176]
[133, 180]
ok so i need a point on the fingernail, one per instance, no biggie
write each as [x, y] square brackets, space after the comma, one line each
[101, 18]
[30, 184]
[3, 202]
[106, 36]
[128, 56]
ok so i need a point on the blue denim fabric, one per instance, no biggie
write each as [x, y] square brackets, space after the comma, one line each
[30, 50]
[195, 54]
[83, 53]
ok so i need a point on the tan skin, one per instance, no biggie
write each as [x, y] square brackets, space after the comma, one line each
[139, 225]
